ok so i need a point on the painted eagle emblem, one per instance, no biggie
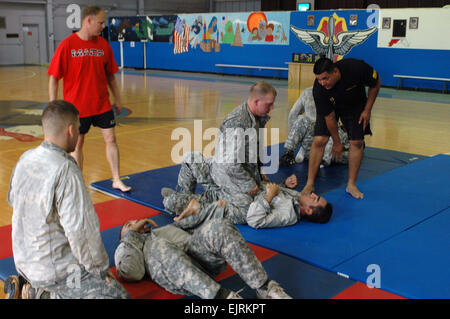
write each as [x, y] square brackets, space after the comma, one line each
[340, 43]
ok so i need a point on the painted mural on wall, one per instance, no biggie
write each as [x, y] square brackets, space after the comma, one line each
[332, 37]
[138, 28]
[209, 31]
[206, 32]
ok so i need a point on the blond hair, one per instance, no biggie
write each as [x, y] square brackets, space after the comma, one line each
[90, 11]
[262, 88]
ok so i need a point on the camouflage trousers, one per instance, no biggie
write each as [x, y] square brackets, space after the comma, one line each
[195, 169]
[87, 286]
[302, 134]
[211, 246]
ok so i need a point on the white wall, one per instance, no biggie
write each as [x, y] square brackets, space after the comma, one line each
[155, 7]
[432, 32]
[12, 49]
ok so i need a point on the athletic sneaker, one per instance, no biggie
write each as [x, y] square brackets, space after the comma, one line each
[272, 291]
[12, 287]
[287, 158]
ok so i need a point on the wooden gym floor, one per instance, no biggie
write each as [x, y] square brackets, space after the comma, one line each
[158, 102]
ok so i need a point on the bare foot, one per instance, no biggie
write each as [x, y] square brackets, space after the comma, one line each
[354, 191]
[308, 189]
[121, 186]
[192, 209]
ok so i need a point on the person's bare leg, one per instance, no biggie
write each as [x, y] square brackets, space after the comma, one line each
[355, 156]
[77, 154]
[112, 155]
[315, 157]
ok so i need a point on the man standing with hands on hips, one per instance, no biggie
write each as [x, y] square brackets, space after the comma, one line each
[339, 94]
[85, 62]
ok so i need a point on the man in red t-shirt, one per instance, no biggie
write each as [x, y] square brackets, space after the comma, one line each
[85, 62]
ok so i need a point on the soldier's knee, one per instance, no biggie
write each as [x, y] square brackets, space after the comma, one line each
[219, 226]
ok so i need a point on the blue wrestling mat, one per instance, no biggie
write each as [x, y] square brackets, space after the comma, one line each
[146, 185]
[406, 196]
[405, 203]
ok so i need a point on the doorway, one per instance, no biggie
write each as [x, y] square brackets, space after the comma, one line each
[31, 45]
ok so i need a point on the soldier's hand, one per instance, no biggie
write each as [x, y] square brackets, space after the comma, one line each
[272, 189]
[254, 190]
[143, 225]
[291, 181]
[109, 276]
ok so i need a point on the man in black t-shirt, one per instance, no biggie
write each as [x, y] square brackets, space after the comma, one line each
[340, 94]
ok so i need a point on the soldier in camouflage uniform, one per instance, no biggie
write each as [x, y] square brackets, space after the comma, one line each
[185, 261]
[236, 165]
[195, 169]
[284, 208]
[301, 132]
[58, 249]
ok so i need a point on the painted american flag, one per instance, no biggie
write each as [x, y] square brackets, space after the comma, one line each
[181, 37]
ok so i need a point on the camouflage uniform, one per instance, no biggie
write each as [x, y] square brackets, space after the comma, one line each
[195, 169]
[304, 104]
[91, 287]
[301, 129]
[283, 210]
[55, 229]
[236, 164]
[185, 262]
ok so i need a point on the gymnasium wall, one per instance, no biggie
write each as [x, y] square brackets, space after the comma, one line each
[207, 39]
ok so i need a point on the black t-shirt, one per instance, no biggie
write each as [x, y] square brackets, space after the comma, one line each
[349, 93]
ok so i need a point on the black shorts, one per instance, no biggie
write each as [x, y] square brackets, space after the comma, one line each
[104, 120]
[349, 122]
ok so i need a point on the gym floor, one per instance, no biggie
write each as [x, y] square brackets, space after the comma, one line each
[158, 102]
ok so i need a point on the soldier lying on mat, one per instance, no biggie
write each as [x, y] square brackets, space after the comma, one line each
[186, 261]
[195, 169]
[273, 206]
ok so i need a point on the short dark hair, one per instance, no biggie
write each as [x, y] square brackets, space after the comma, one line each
[57, 115]
[320, 214]
[323, 65]
[90, 11]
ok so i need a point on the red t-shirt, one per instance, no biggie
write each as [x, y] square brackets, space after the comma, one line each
[84, 67]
